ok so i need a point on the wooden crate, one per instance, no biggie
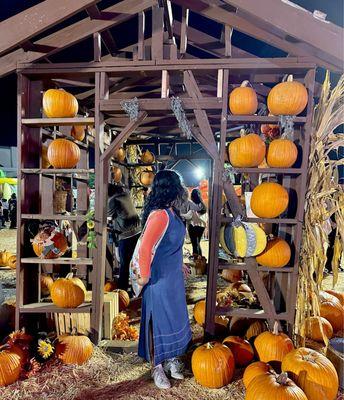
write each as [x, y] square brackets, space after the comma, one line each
[81, 321]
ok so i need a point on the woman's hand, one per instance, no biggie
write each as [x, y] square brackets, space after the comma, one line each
[186, 271]
[142, 280]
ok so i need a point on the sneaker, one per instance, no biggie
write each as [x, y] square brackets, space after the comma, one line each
[175, 367]
[160, 379]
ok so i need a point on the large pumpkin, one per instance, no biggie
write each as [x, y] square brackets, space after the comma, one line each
[232, 275]
[242, 350]
[282, 153]
[10, 365]
[119, 154]
[277, 254]
[243, 100]
[213, 365]
[49, 243]
[339, 295]
[255, 369]
[256, 328]
[63, 153]
[46, 283]
[74, 348]
[147, 157]
[273, 346]
[123, 298]
[269, 200]
[58, 103]
[147, 178]
[313, 328]
[117, 174]
[78, 132]
[287, 98]
[67, 292]
[246, 151]
[273, 387]
[313, 372]
[333, 311]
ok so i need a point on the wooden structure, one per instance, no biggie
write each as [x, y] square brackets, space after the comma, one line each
[154, 70]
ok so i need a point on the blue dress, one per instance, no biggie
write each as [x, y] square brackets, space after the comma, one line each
[163, 299]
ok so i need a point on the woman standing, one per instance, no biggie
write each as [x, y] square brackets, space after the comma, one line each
[165, 330]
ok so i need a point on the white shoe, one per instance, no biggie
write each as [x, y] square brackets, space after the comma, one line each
[175, 367]
[160, 379]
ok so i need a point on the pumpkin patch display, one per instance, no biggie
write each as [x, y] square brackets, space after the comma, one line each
[74, 348]
[269, 200]
[57, 103]
[10, 365]
[78, 132]
[287, 98]
[281, 153]
[313, 328]
[147, 178]
[63, 153]
[243, 100]
[313, 373]
[277, 254]
[333, 311]
[242, 350]
[255, 369]
[68, 292]
[213, 365]
[49, 243]
[247, 151]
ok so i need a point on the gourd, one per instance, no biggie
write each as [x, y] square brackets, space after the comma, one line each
[78, 132]
[63, 153]
[117, 174]
[119, 154]
[123, 298]
[281, 153]
[247, 151]
[147, 157]
[57, 103]
[243, 100]
[255, 369]
[287, 98]
[74, 348]
[10, 365]
[269, 200]
[67, 292]
[213, 365]
[147, 178]
[333, 311]
[313, 372]
[46, 283]
[277, 254]
[313, 330]
[45, 239]
[242, 350]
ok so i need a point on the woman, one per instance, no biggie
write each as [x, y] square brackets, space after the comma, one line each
[165, 330]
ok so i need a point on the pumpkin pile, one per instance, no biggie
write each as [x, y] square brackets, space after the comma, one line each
[7, 259]
[122, 330]
[332, 309]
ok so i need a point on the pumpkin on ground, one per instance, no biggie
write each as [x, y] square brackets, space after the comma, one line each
[78, 132]
[273, 387]
[287, 98]
[277, 254]
[247, 151]
[281, 153]
[74, 348]
[256, 328]
[63, 153]
[147, 178]
[68, 292]
[232, 275]
[273, 346]
[340, 296]
[119, 154]
[243, 100]
[10, 365]
[213, 365]
[313, 328]
[313, 372]
[116, 174]
[242, 350]
[269, 200]
[57, 103]
[147, 157]
[255, 369]
[123, 298]
[333, 311]
[42, 246]
[46, 283]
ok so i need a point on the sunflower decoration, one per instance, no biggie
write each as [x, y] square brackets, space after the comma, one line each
[91, 234]
[44, 348]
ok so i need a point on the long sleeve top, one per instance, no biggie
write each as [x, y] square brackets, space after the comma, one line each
[191, 214]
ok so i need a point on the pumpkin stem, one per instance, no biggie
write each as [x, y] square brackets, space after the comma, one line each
[245, 84]
[209, 346]
[290, 78]
[275, 330]
[282, 379]
[242, 132]
[69, 275]
[74, 331]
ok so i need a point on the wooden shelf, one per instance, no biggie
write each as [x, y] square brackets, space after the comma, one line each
[289, 221]
[52, 171]
[128, 165]
[58, 217]
[285, 171]
[243, 267]
[61, 260]
[52, 308]
[62, 135]
[40, 122]
[261, 119]
[246, 312]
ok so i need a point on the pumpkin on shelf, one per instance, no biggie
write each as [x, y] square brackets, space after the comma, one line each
[213, 365]
[313, 328]
[199, 315]
[247, 151]
[333, 311]
[10, 364]
[68, 292]
[281, 153]
[147, 157]
[313, 372]
[255, 369]
[147, 178]
[273, 346]
[242, 350]
[79, 132]
[243, 100]
[116, 174]
[49, 243]
[269, 200]
[339, 295]
[110, 286]
[277, 254]
[74, 348]
[63, 153]
[119, 154]
[57, 103]
[46, 283]
[123, 298]
[232, 275]
[45, 161]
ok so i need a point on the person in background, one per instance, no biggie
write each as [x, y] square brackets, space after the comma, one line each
[5, 209]
[12, 208]
[126, 229]
[2, 219]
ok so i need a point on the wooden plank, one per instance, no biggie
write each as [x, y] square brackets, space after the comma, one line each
[228, 40]
[61, 260]
[62, 171]
[291, 221]
[284, 171]
[59, 217]
[42, 122]
[97, 46]
[157, 32]
[243, 267]
[262, 119]
[184, 30]
[168, 18]
[35, 308]
[165, 84]
[141, 36]
[247, 313]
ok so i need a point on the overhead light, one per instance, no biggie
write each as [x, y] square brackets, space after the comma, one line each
[199, 173]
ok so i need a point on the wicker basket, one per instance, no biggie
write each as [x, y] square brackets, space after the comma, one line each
[60, 201]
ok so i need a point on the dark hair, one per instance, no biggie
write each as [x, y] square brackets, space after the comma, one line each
[115, 189]
[196, 197]
[167, 191]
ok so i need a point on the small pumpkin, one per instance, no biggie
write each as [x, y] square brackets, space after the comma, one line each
[277, 254]
[78, 132]
[256, 328]
[42, 247]
[147, 157]
[63, 153]
[117, 174]
[46, 283]
[287, 98]
[232, 275]
[340, 296]
[247, 151]
[269, 200]
[242, 350]
[12, 262]
[74, 348]
[333, 311]
[255, 369]
[57, 103]
[213, 365]
[313, 372]
[273, 346]
[10, 365]
[281, 153]
[199, 315]
[119, 154]
[124, 299]
[147, 178]
[67, 292]
[313, 329]
[110, 286]
[243, 100]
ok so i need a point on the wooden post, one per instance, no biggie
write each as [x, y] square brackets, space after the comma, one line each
[97, 46]
[157, 32]
[184, 30]
[141, 36]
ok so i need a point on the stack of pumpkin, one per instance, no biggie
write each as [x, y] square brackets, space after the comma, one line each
[7, 259]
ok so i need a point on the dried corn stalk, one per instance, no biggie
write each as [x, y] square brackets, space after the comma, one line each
[324, 199]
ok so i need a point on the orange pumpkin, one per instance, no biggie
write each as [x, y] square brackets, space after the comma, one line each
[49, 234]
[340, 296]
[147, 157]
[10, 365]
[74, 348]
[124, 299]
[313, 372]
[117, 174]
[119, 154]
[281, 153]
[46, 283]
[110, 286]
[78, 132]
[255, 329]
[63, 153]
[67, 292]
[269, 200]
[58, 103]
[12, 262]
[277, 254]
[313, 328]
[242, 350]
[199, 315]
[255, 369]
[247, 151]
[147, 178]
[243, 100]
[333, 311]
[232, 275]
[273, 346]
[45, 161]
[287, 98]
[213, 365]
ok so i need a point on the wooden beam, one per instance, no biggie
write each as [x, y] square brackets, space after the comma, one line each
[228, 40]
[184, 30]
[141, 36]
[97, 46]
[157, 32]
[168, 17]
